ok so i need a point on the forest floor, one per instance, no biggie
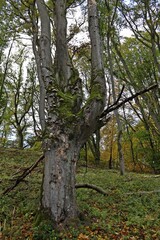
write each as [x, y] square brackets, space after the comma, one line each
[130, 210]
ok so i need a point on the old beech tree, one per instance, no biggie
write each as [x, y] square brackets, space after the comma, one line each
[66, 123]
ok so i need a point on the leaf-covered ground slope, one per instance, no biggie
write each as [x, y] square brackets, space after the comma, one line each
[119, 215]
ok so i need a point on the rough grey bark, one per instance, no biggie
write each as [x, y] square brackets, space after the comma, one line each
[96, 102]
[58, 196]
[36, 51]
[66, 125]
[63, 62]
[20, 137]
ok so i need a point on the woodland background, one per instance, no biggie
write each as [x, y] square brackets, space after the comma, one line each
[132, 62]
[128, 143]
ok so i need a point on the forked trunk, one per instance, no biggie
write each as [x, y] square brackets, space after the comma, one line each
[66, 123]
[58, 195]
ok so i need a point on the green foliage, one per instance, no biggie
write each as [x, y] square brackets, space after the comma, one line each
[43, 231]
[115, 216]
[136, 54]
[146, 147]
[21, 91]
[86, 158]
[37, 146]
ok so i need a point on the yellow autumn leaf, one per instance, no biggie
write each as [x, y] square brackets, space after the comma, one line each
[83, 237]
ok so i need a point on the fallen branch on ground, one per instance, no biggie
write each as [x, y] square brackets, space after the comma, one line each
[152, 176]
[19, 170]
[27, 171]
[143, 192]
[86, 185]
[23, 175]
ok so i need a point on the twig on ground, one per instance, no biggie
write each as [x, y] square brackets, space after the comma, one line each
[143, 192]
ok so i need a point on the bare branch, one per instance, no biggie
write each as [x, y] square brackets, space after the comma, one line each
[90, 186]
[118, 105]
[23, 175]
[118, 98]
[143, 192]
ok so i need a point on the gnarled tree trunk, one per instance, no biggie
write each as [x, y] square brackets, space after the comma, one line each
[58, 195]
[67, 124]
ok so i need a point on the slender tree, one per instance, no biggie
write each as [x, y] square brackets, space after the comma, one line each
[110, 15]
[6, 41]
[134, 53]
[20, 97]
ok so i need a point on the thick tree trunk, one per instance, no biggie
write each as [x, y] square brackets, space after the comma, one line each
[66, 124]
[58, 195]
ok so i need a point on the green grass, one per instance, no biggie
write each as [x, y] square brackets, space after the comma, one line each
[115, 216]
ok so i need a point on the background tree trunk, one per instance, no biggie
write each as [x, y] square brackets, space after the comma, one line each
[20, 138]
[94, 145]
[118, 120]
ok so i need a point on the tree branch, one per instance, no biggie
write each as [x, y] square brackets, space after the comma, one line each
[90, 186]
[118, 105]
[32, 167]
[118, 98]
[143, 192]
[23, 175]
